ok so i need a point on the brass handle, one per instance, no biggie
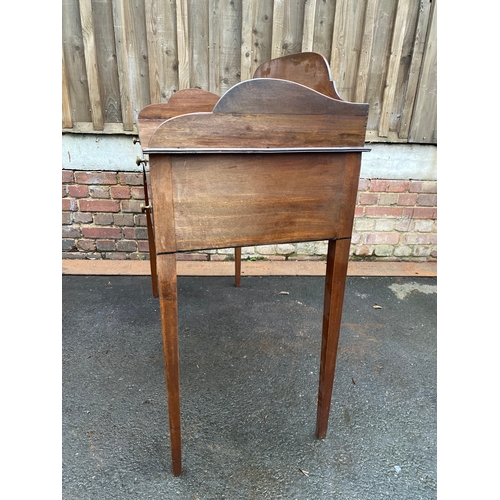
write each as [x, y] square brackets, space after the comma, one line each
[138, 161]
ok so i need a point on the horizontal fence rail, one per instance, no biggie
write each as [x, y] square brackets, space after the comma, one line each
[120, 55]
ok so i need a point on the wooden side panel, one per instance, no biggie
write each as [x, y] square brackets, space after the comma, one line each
[199, 130]
[182, 102]
[270, 113]
[256, 199]
[161, 191]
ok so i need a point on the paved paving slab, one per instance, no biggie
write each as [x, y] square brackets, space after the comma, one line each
[249, 373]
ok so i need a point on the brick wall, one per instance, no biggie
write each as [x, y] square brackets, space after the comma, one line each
[102, 219]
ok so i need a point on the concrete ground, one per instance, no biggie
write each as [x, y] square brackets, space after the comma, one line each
[249, 374]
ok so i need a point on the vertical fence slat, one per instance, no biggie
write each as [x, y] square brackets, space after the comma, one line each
[394, 62]
[214, 47]
[309, 19]
[182, 43]
[248, 10]
[67, 122]
[106, 59]
[153, 22]
[256, 35]
[414, 72]
[278, 28]
[230, 57]
[120, 19]
[346, 44]
[75, 61]
[423, 126]
[366, 50]
[161, 35]
[198, 41]
[89, 45]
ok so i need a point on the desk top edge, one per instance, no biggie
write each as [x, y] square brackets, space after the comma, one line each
[255, 150]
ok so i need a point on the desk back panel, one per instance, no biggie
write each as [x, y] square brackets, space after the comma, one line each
[223, 200]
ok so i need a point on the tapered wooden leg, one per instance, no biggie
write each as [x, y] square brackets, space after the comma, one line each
[167, 281]
[151, 235]
[237, 266]
[152, 254]
[336, 272]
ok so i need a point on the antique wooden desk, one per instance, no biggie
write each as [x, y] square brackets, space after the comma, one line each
[275, 160]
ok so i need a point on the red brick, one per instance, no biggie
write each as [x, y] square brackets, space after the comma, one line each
[363, 184]
[359, 211]
[407, 200]
[389, 186]
[64, 191]
[126, 246]
[82, 217]
[68, 204]
[365, 250]
[102, 232]
[71, 232]
[105, 245]
[86, 245]
[140, 220]
[115, 256]
[99, 206]
[124, 219]
[419, 239]
[135, 233]
[427, 200]
[99, 191]
[368, 199]
[120, 192]
[130, 179]
[78, 191]
[67, 176]
[137, 193]
[95, 177]
[67, 217]
[131, 206]
[421, 213]
[103, 219]
[383, 212]
[382, 238]
[143, 246]
[423, 187]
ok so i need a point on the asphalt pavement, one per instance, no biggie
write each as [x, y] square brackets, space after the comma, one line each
[249, 372]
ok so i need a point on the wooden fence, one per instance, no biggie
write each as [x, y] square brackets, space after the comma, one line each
[120, 55]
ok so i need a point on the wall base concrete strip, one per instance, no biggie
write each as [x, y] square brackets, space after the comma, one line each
[118, 153]
[256, 268]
